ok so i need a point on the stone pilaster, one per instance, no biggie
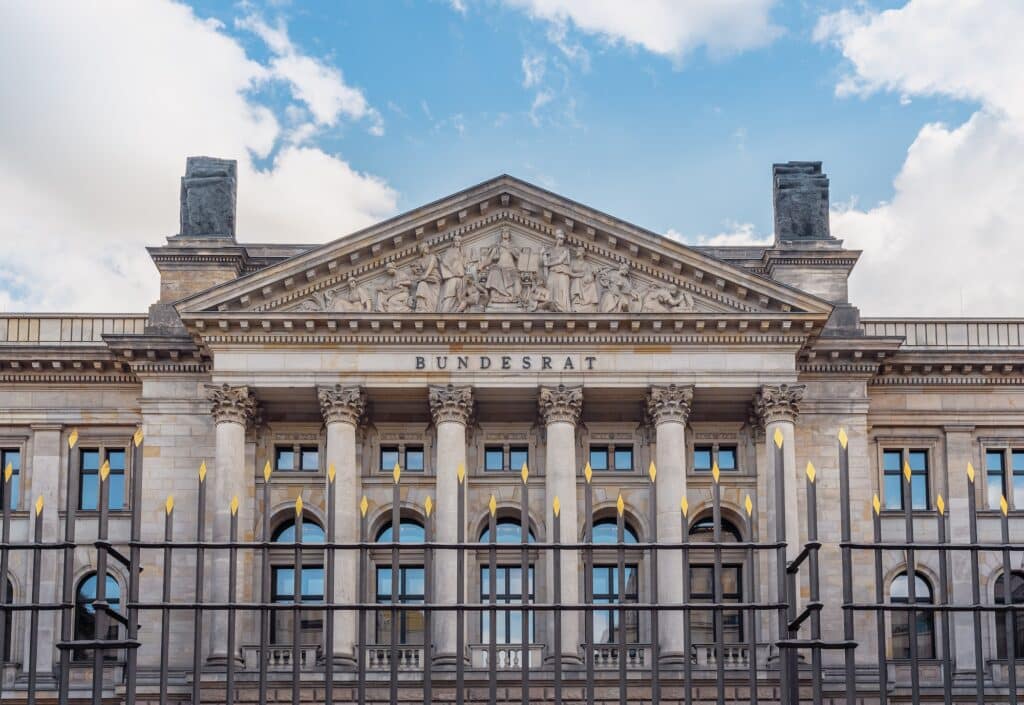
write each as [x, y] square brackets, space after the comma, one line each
[668, 408]
[343, 408]
[560, 409]
[777, 407]
[452, 409]
[233, 409]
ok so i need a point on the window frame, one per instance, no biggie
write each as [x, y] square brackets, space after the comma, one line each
[113, 628]
[1009, 479]
[279, 598]
[298, 450]
[905, 450]
[103, 447]
[402, 449]
[611, 451]
[16, 474]
[612, 598]
[927, 615]
[999, 633]
[715, 449]
[738, 597]
[506, 450]
[403, 599]
[512, 599]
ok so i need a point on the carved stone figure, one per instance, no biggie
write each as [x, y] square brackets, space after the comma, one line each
[583, 291]
[666, 299]
[503, 285]
[538, 298]
[558, 260]
[427, 271]
[394, 296]
[473, 296]
[208, 197]
[356, 300]
[453, 275]
[620, 295]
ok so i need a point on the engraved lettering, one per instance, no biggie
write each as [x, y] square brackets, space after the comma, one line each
[421, 363]
[463, 361]
[485, 363]
[590, 362]
[442, 362]
[506, 362]
[545, 363]
[568, 364]
[527, 362]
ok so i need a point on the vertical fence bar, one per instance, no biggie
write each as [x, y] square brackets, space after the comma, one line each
[883, 666]
[972, 523]
[911, 572]
[134, 567]
[361, 617]
[588, 579]
[296, 606]
[652, 473]
[492, 596]
[460, 591]
[813, 578]
[329, 613]
[264, 613]
[428, 597]
[845, 535]
[556, 561]
[165, 597]
[1009, 616]
[947, 663]
[197, 617]
[525, 583]
[5, 537]
[620, 612]
[781, 584]
[68, 577]
[751, 612]
[716, 582]
[684, 507]
[396, 573]
[232, 592]
[37, 554]
[100, 603]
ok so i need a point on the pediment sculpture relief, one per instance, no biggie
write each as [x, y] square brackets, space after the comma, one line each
[502, 276]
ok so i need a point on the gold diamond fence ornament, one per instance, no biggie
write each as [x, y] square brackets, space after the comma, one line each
[364, 504]
[234, 505]
[748, 505]
[588, 472]
[652, 471]
[460, 472]
[524, 473]
[970, 472]
[104, 470]
[331, 472]
[8, 471]
[906, 470]
[202, 471]
[396, 473]
[556, 506]
[493, 505]
[137, 437]
[778, 437]
[715, 472]
[428, 505]
[811, 472]
[843, 438]
[1003, 506]
[298, 506]
[620, 505]
[267, 471]
[73, 438]
[169, 504]
[684, 506]
[876, 504]
[940, 504]
[39, 505]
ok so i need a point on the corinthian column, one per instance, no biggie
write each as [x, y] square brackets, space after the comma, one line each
[777, 407]
[342, 409]
[452, 408]
[668, 408]
[560, 409]
[233, 408]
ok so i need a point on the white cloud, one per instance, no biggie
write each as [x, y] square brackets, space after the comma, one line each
[533, 69]
[102, 104]
[539, 101]
[949, 240]
[667, 27]
[735, 234]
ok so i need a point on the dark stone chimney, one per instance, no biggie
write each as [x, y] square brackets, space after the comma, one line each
[800, 193]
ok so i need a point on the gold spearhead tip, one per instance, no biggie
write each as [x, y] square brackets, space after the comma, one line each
[266, 471]
[876, 504]
[588, 472]
[331, 472]
[234, 505]
[524, 473]
[298, 505]
[940, 504]
[428, 505]
[73, 438]
[684, 506]
[460, 472]
[811, 473]
[364, 504]
[715, 472]
[906, 470]
[493, 505]
[202, 471]
[1003, 506]
[748, 505]
[620, 505]
[137, 437]
[652, 471]
[397, 473]
[778, 437]
[843, 438]
[105, 470]
[39, 505]
[556, 506]
[8, 471]
[169, 504]
[970, 472]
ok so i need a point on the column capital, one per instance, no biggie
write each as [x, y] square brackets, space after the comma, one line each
[450, 403]
[231, 403]
[669, 402]
[560, 404]
[778, 402]
[340, 404]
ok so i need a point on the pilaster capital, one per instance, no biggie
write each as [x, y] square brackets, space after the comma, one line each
[778, 402]
[670, 402]
[229, 403]
[340, 404]
[450, 404]
[560, 404]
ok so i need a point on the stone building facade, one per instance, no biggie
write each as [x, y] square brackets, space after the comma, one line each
[500, 326]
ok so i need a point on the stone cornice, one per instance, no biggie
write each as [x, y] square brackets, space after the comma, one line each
[560, 404]
[450, 403]
[342, 404]
[669, 403]
[231, 404]
[779, 402]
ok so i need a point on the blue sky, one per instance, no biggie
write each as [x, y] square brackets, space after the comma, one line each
[666, 113]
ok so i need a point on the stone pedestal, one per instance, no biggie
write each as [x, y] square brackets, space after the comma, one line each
[560, 409]
[452, 409]
[668, 408]
[343, 409]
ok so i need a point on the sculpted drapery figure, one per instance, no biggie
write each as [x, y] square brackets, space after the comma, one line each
[620, 295]
[666, 299]
[355, 300]
[453, 274]
[503, 283]
[558, 260]
[583, 290]
[427, 271]
[394, 296]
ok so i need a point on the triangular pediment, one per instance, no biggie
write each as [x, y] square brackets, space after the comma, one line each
[504, 247]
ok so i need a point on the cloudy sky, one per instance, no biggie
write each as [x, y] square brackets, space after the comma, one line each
[664, 113]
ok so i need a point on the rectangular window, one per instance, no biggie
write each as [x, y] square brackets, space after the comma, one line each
[414, 459]
[12, 457]
[702, 589]
[508, 590]
[624, 458]
[606, 591]
[91, 459]
[311, 622]
[704, 458]
[1017, 466]
[619, 458]
[892, 478]
[296, 458]
[310, 458]
[518, 456]
[494, 459]
[410, 592]
[1004, 473]
[598, 458]
[284, 459]
[388, 458]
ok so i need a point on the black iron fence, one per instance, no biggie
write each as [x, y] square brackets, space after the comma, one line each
[789, 667]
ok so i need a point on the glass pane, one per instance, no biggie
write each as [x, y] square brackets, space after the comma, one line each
[284, 459]
[623, 458]
[409, 532]
[284, 584]
[701, 587]
[383, 584]
[606, 531]
[994, 487]
[893, 492]
[414, 585]
[893, 460]
[388, 458]
[116, 460]
[312, 583]
[90, 498]
[918, 461]
[494, 459]
[602, 582]
[414, 459]
[90, 460]
[310, 459]
[919, 491]
[517, 457]
[311, 533]
[1018, 499]
[598, 459]
[508, 531]
[726, 458]
[1017, 459]
[116, 490]
[994, 461]
[602, 627]
[702, 458]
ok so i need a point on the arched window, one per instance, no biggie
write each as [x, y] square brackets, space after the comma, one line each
[410, 531]
[899, 593]
[312, 532]
[8, 623]
[85, 612]
[507, 530]
[703, 530]
[1016, 598]
[607, 531]
[702, 583]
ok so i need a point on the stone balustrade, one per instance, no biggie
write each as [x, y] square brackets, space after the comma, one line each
[378, 657]
[279, 657]
[636, 655]
[734, 656]
[950, 334]
[507, 656]
[67, 328]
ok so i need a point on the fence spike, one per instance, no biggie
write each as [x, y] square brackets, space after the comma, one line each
[970, 471]
[684, 505]
[331, 472]
[843, 438]
[267, 471]
[524, 473]
[778, 438]
[364, 504]
[876, 504]
[811, 472]
[137, 437]
[588, 472]
[202, 471]
[620, 504]
[428, 505]
[556, 506]
[298, 506]
[652, 471]
[715, 472]
[8, 471]
[493, 505]
[397, 473]
[748, 505]
[460, 472]
[940, 504]
[104, 470]
[169, 504]
[1003, 506]
[234, 505]
[906, 470]
[39, 505]
[73, 438]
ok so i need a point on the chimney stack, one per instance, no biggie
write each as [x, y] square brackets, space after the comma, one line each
[800, 194]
